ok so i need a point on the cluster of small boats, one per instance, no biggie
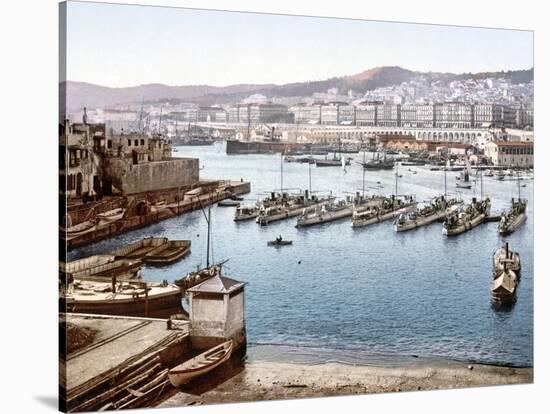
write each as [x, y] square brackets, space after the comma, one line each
[438, 209]
[92, 222]
[111, 283]
[506, 275]
[387, 209]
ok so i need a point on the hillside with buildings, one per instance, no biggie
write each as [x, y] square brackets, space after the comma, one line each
[410, 85]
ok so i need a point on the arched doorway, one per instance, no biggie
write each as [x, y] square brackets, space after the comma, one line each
[79, 184]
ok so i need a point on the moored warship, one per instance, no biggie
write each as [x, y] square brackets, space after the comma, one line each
[388, 209]
[473, 215]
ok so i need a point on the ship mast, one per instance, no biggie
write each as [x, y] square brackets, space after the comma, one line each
[309, 170]
[364, 162]
[481, 183]
[282, 152]
[396, 177]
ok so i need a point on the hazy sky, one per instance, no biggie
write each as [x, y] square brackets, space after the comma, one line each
[127, 45]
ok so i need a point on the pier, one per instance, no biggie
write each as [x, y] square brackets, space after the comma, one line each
[145, 209]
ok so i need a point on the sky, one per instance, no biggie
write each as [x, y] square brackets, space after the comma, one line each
[128, 45]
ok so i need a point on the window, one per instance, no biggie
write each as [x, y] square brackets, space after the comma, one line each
[110, 144]
[136, 142]
[129, 142]
[142, 142]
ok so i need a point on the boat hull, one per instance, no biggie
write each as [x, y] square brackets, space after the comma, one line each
[326, 217]
[424, 221]
[181, 376]
[383, 217]
[514, 225]
[161, 306]
[476, 221]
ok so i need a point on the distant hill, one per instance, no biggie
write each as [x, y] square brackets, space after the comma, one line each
[81, 94]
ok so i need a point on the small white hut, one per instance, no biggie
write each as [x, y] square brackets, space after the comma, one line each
[216, 312]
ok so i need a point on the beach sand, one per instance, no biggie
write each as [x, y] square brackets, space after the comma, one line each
[258, 381]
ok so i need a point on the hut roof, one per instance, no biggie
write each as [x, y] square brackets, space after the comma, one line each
[217, 284]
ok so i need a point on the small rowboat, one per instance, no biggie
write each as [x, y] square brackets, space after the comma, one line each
[78, 229]
[229, 203]
[279, 242]
[111, 216]
[201, 364]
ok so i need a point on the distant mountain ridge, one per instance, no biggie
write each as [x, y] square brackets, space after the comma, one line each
[81, 94]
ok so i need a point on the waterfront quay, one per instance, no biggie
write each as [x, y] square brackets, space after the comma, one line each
[144, 209]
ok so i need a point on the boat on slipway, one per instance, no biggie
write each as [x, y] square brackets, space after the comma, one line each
[389, 209]
[201, 364]
[472, 216]
[438, 209]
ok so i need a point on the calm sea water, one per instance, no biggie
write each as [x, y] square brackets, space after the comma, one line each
[363, 293]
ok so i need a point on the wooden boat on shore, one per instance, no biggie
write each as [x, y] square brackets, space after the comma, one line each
[389, 209]
[472, 216]
[160, 300]
[201, 364]
[515, 217]
[505, 257]
[437, 210]
[110, 216]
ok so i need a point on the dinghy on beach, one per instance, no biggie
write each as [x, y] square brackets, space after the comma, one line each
[201, 364]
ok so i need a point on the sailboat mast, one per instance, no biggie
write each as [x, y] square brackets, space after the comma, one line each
[208, 241]
[519, 190]
[282, 152]
[445, 179]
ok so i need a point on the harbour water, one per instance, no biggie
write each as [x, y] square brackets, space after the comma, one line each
[358, 294]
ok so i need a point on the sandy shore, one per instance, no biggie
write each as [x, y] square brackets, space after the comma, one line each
[269, 381]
